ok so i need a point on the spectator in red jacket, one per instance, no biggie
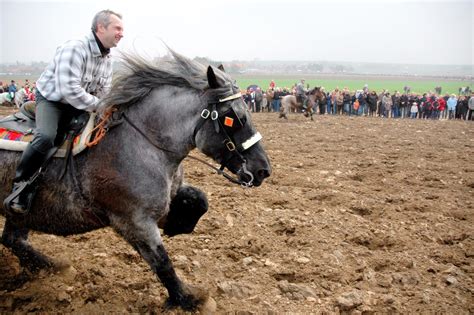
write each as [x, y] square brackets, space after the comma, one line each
[441, 106]
[272, 85]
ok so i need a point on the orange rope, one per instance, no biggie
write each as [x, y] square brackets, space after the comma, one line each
[100, 130]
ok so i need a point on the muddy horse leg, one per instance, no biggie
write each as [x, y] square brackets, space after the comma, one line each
[16, 239]
[186, 209]
[143, 234]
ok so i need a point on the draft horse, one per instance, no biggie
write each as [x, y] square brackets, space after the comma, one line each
[133, 179]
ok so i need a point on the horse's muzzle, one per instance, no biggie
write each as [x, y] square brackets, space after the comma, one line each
[249, 179]
[260, 176]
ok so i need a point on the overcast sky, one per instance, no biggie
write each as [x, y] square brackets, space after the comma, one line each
[394, 31]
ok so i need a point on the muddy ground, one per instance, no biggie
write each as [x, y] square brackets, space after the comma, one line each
[361, 215]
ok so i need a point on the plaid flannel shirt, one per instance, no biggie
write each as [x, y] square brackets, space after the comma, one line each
[78, 75]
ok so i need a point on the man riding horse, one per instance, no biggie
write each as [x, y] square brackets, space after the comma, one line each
[79, 74]
[301, 93]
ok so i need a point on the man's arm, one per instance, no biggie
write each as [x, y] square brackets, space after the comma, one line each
[71, 60]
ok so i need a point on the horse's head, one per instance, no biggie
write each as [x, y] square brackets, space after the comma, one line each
[227, 135]
[319, 95]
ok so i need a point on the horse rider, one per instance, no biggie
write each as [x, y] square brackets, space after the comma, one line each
[301, 93]
[73, 82]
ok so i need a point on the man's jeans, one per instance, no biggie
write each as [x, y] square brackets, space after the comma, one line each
[395, 112]
[52, 120]
[347, 108]
[276, 105]
[451, 113]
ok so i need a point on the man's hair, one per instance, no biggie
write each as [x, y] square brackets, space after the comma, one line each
[103, 17]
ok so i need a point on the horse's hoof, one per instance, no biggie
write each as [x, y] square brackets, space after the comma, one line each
[192, 299]
[40, 264]
[47, 266]
[186, 209]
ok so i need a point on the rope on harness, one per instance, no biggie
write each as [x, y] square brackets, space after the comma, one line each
[100, 130]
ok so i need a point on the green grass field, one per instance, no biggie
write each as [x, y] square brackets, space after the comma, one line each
[418, 86]
[390, 83]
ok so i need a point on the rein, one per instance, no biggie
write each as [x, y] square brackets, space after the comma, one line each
[219, 171]
[101, 128]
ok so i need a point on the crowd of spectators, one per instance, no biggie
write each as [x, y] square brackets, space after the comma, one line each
[26, 90]
[365, 102]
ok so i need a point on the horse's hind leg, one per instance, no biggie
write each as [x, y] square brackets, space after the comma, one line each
[143, 234]
[186, 209]
[16, 239]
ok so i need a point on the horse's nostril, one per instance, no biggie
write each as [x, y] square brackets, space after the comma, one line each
[263, 173]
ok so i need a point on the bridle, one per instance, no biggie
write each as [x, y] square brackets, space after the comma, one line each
[220, 124]
[228, 123]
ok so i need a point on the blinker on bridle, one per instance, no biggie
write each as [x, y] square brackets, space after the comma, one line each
[229, 121]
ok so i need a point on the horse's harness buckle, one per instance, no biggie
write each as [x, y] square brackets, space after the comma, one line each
[205, 113]
[230, 146]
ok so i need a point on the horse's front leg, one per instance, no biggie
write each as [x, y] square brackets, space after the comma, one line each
[143, 234]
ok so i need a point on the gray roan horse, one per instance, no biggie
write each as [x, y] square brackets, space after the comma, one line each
[133, 179]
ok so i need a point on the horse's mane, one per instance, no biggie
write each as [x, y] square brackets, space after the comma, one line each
[140, 76]
[314, 90]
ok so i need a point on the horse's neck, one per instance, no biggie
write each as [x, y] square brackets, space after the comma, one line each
[169, 125]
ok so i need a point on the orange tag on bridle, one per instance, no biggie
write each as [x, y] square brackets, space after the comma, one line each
[229, 122]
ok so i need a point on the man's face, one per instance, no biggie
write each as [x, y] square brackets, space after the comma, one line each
[112, 34]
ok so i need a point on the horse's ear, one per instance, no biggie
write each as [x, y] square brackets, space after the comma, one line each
[211, 78]
[221, 67]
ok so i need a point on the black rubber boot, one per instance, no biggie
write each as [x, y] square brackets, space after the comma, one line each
[19, 201]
